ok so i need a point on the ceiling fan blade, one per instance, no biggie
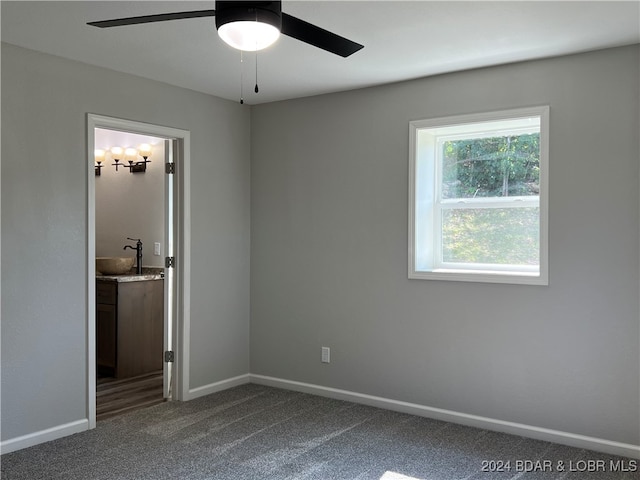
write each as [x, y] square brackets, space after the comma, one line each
[162, 17]
[318, 37]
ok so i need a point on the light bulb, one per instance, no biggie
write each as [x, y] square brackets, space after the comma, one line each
[99, 154]
[116, 152]
[145, 150]
[130, 154]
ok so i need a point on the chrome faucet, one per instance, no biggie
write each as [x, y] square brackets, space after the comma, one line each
[138, 249]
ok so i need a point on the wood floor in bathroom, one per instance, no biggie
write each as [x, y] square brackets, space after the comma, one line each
[114, 397]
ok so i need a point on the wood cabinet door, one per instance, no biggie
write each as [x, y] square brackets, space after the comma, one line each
[106, 335]
[140, 327]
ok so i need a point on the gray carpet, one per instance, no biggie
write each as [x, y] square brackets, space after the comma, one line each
[257, 432]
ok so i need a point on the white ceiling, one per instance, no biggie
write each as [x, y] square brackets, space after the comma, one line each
[402, 40]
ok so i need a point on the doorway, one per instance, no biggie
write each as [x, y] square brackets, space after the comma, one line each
[130, 315]
[163, 230]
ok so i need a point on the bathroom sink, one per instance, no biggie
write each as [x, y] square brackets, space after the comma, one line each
[114, 265]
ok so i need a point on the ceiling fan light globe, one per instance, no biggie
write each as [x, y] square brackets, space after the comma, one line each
[248, 35]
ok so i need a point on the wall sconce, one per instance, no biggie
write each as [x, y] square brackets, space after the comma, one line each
[98, 155]
[116, 154]
[130, 155]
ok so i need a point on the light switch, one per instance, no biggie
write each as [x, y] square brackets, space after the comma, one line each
[326, 355]
[156, 248]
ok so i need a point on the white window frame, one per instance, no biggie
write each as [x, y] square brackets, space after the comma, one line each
[425, 206]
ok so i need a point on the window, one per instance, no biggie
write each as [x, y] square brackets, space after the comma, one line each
[478, 197]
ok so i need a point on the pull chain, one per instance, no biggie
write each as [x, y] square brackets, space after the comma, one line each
[241, 70]
[256, 89]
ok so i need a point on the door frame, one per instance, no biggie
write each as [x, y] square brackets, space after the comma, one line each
[182, 226]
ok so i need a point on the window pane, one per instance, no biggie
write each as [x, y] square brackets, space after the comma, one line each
[505, 236]
[499, 166]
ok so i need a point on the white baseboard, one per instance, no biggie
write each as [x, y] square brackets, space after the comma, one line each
[60, 431]
[217, 386]
[42, 436]
[556, 436]
[529, 431]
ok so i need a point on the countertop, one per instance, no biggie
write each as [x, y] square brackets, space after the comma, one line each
[148, 273]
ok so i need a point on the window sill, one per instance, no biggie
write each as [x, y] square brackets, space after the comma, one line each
[481, 276]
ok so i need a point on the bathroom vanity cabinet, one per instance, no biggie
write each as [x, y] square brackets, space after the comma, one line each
[129, 325]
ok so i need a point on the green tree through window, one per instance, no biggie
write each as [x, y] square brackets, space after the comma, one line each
[492, 167]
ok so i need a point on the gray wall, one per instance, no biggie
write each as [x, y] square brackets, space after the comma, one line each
[329, 253]
[45, 100]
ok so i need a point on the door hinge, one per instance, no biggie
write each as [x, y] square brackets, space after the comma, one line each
[169, 356]
[170, 262]
[170, 168]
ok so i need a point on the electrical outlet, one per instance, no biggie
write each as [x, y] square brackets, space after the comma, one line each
[156, 248]
[326, 355]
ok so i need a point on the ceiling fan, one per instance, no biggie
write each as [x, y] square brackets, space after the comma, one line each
[252, 26]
